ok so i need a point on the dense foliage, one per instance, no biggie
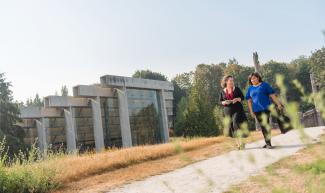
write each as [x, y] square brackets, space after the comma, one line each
[9, 117]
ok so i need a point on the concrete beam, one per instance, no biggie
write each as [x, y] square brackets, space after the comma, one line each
[38, 112]
[70, 131]
[124, 118]
[42, 126]
[65, 101]
[120, 81]
[164, 116]
[98, 124]
[92, 91]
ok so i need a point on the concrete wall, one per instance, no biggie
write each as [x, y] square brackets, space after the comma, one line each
[94, 111]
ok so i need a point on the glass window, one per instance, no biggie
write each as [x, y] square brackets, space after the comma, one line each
[144, 113]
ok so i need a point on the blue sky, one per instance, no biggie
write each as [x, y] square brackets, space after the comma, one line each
[47, 44]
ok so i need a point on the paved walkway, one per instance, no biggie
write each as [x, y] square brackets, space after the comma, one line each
[217, 174]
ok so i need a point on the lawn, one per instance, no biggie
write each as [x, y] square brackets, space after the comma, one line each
[301, 173]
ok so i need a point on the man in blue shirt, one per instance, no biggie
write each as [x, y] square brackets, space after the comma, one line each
[259, 95]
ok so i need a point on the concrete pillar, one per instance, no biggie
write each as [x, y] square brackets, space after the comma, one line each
[42, 126]
[124, 118]
[319, 120]
[70, 131]
[97, 123]
[164, 116]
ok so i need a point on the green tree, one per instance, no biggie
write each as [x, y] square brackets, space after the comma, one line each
[271, 68]
[317, 61]
[196, 112]
[240, 74]
[182, 84]
[180, 127]
[36, 102]
[300, 69]
[148, 74]
[9, 116]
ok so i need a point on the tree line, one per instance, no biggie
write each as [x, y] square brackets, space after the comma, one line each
[197, 110]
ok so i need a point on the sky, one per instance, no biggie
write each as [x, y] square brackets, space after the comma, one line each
[46, 44]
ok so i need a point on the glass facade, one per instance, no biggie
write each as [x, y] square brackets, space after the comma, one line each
[144, 114]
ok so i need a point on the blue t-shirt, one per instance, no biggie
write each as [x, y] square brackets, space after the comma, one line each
[260, 96]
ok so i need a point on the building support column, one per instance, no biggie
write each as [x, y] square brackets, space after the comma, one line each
[124, 118]
[98, 124]
[70, 131]
[319, 120]
[164, 116]
[41, 126]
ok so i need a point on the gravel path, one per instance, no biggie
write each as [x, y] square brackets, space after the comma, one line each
[217, 174]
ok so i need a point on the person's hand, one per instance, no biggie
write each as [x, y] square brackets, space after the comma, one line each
[253, 115]
[225, 102]
[280, 107]
[235, 100]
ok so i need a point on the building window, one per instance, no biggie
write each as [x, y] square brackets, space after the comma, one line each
[145, 116]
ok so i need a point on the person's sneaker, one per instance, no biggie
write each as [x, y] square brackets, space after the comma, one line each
[267, 146]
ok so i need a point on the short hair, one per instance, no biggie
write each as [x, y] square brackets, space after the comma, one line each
[257, 75]
[224, 80]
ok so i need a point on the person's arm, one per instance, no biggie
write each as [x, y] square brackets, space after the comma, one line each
[222, 100]
[250, 108]
[276, 101]
[271, 93]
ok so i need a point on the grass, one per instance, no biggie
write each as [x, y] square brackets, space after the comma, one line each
[25, 173]
[317, 167]
[303, 172]
[178, 158]
[31, 173]
[92, 164]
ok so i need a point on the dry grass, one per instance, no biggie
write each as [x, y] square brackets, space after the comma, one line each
[283, 176]
[73, 168]
[103, 171]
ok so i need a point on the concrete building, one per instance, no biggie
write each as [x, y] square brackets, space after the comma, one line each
[120, 112]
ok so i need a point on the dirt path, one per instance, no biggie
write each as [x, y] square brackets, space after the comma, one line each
[217, 174]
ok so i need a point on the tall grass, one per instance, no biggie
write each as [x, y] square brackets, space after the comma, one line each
[25, 172]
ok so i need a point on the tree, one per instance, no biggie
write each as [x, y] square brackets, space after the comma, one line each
[64, 90]
[317, 61]
[195, 113]
[181, 117]
[148, 74]
[9, 116]
[182, 84]
[271, 68]
[240, 74]
[300, 69]
[36, 102]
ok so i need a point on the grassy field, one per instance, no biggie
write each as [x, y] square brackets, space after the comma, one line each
[72, 173]
[150, 160]
[301, 173]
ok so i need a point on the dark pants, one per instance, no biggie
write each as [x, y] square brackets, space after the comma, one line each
[237, 117]
[283, 121]
[280, 117]
[266, 129]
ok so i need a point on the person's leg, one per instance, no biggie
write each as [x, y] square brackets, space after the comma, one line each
[228, 114]
[236, 126]
[265, 130]
[283, 122]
